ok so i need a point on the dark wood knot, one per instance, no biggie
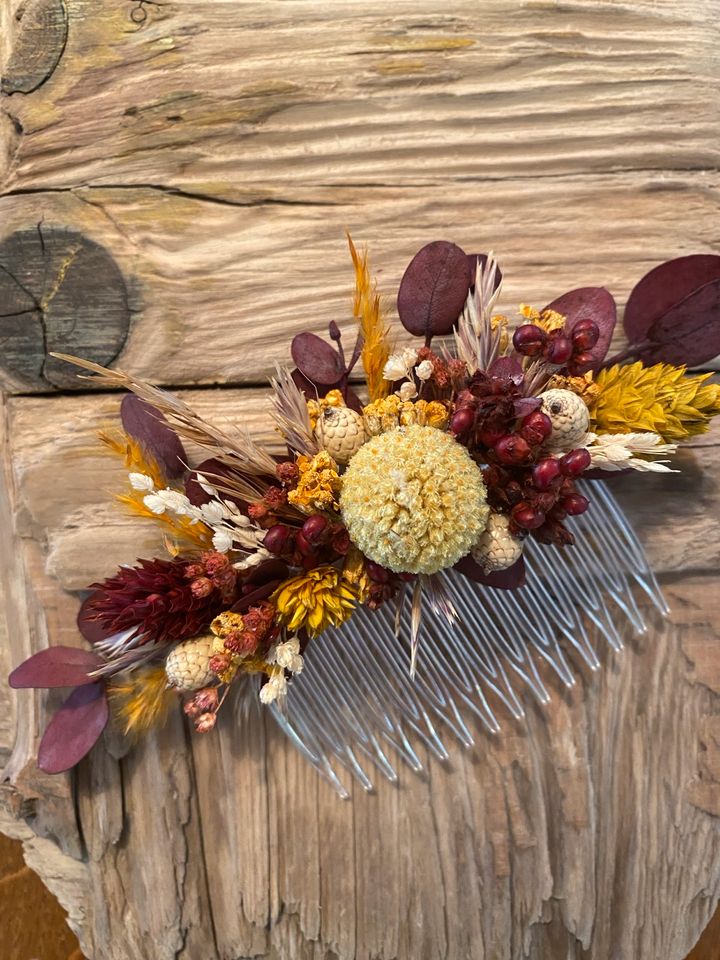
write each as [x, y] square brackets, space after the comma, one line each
[59, 291]
[37, 38]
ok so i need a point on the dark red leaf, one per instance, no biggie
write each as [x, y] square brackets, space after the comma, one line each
[250, 599]
[353, 400]
[268, 570]
[316, 359]
[434, 289]
[148, 426]
[589, 303]
[522, 406]
[507, 368]
[55, 667]
[689, 333]
[482, 257]
[90, 627]
[663, 288]
[75, 729]
[509, 579]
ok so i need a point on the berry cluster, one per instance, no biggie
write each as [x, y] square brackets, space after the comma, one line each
[318, 541]
[561, 348]
[538, 497]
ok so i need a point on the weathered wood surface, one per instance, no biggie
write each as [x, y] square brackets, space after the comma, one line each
[217, 152]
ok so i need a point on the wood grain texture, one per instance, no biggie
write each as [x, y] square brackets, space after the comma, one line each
[217, 152]
[214, 153]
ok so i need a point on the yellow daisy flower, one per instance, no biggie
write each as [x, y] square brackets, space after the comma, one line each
[314, 601]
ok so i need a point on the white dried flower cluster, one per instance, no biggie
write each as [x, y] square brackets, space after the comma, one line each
[231, 528]
[424, 369]
[283, 656]
[400, 364]
[408, 391]
[287, 655]
[275, 688]
[620, 451]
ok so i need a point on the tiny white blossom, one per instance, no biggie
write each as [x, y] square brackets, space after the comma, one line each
[222, 540]
[399, 365]
[275, 687]
[141, 481]
[213, 512]
[287, 655]
[424, 370]
[176, 501]
[155, 503]
[408, 391]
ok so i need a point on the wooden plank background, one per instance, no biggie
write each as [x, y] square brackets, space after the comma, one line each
[216, 152]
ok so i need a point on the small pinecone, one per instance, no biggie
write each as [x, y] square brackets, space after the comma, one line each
[340, 431]
[497, 549]
[188, 665]
[569, 416]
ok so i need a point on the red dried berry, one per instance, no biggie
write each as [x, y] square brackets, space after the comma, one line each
[304, 545]
[580, 363]
[513, 450]
[277, 538]
[575, 504]
[536, 427]
[314, 529]
[545, 473]
[527, 516]
[376, 572]
[574, 463]
[461, 421]
[585, 334]
[202, 587]
[559, 350]
[529, 340]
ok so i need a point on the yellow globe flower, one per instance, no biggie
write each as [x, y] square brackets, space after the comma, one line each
[413, 500]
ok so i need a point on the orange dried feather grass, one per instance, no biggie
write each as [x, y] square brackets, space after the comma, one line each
[141, 699]
[197, 534]
[367, 311]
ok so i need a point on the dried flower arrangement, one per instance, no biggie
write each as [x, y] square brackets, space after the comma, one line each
[456, 456]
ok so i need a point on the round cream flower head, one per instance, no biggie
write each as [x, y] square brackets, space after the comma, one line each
[413, 500]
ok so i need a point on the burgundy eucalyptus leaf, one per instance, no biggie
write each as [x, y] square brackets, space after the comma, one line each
[90, 627]
[522, 406]
[75, 729]
[509, 579]
[689, 333]
[148, 426]
[663, 288]
[507, 368]
[268, 570]
[482, 257]
[316, 359]
[255, 596]
[55, 667]
[353, 400]
[589, 303]
[434, 289]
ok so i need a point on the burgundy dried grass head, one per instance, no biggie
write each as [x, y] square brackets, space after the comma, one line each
[156, 601]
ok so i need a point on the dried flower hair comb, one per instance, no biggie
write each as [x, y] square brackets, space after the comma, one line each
[462, 478]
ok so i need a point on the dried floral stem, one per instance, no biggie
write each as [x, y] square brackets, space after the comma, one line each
[291, 413]
[242, 453]
[367, 311]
